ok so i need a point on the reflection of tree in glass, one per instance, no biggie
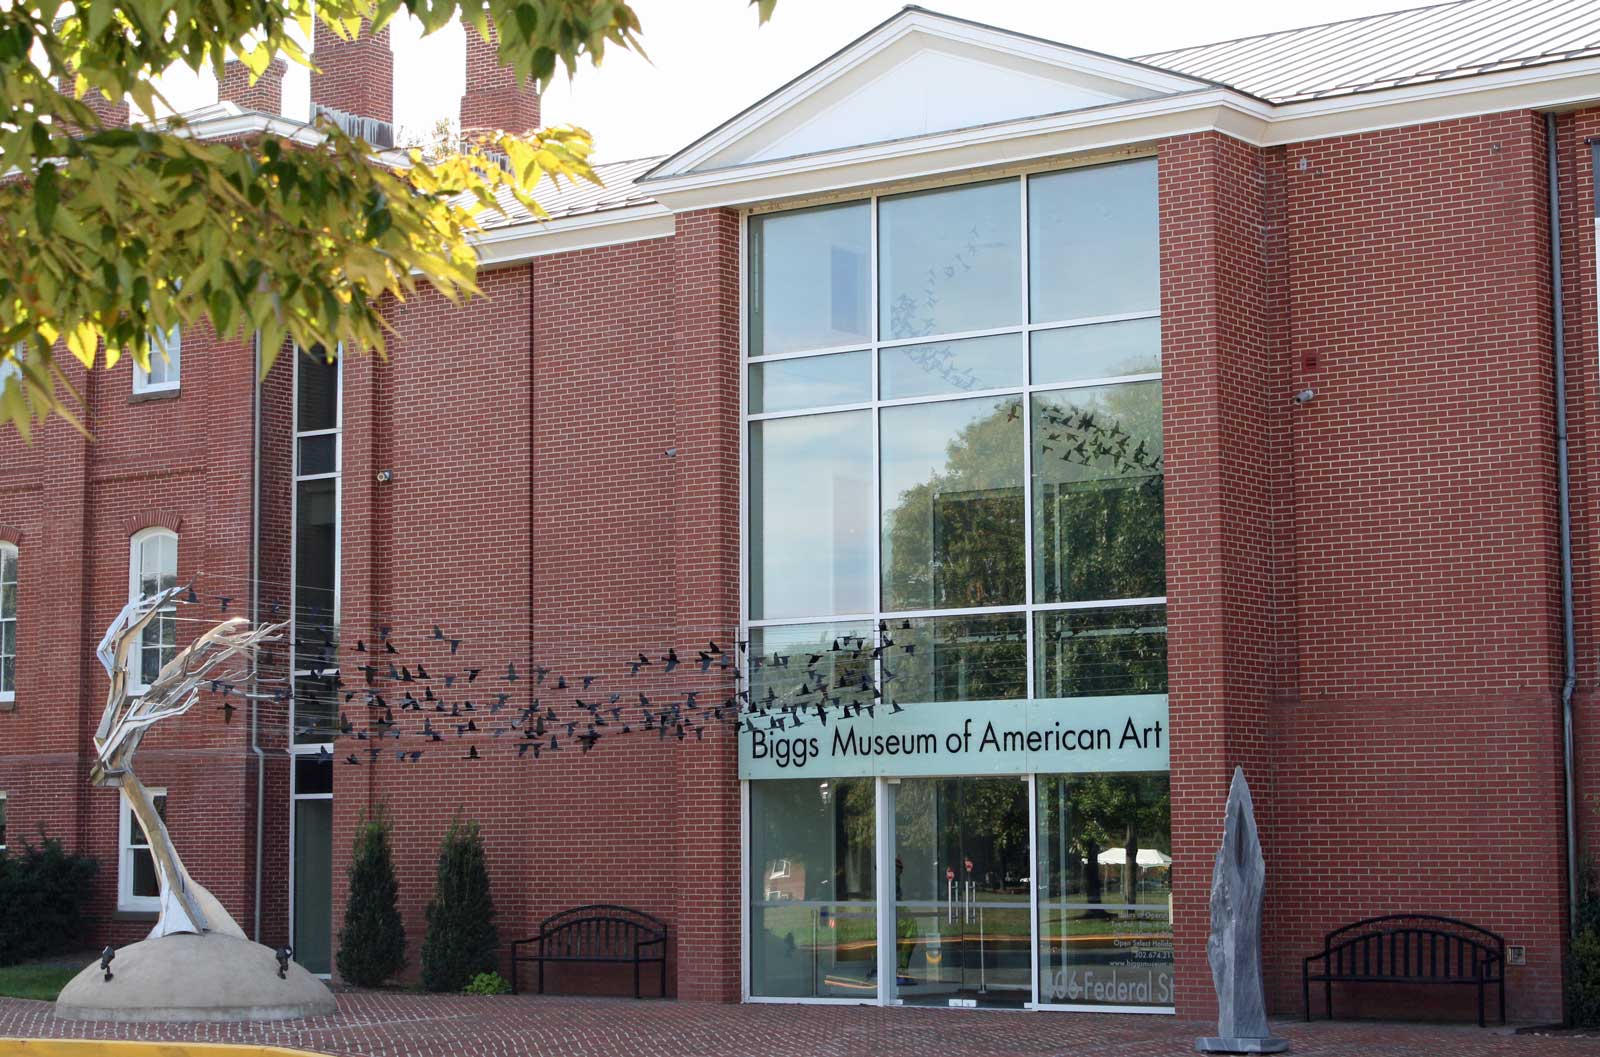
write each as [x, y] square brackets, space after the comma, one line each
[1102, 652]
[972, 658]
[1100, 494]
[904, 313]
[1102, 811]
[956, 539]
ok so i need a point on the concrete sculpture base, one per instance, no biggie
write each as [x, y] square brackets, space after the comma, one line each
[1270, 1044]
[187, 977]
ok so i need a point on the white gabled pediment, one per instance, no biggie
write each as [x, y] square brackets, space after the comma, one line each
[921, 74]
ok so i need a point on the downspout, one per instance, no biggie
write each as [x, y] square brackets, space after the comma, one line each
[1564, 491]
[255, 618]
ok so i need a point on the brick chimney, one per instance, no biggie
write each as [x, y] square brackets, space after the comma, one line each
[357, 77]
[494, 99]
[266, 95]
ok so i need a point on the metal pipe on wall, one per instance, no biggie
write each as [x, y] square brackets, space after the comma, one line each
[1564, 491]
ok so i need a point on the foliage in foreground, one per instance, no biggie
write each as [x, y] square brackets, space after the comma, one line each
[43, 891]
[118, 234]
[372, 941]
[488, 984]
[462, 941]
[1583, 959]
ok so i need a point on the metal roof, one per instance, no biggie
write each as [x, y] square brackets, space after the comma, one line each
[1398, 48]
[573, 198]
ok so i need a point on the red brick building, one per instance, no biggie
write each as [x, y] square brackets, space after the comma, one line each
[895, 358]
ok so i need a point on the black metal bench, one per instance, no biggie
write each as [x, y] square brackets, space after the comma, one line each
[1408, 949]
[600, 932]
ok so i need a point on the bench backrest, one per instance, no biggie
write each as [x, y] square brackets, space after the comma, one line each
[1422, 946]
[600, 930]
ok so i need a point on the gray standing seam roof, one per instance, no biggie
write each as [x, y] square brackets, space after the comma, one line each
[1414, 46]
[1397, 48]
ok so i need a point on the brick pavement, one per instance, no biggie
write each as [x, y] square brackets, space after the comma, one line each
[411, 1025]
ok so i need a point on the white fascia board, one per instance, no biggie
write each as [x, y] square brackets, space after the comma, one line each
[1260, 124]
[252, 122]
[541, 238]
[1006, 143]
[910, 21]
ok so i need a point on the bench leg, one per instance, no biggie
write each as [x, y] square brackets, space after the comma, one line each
[541, 976]
[1305, 991]
[1327, 996]
[1502, 994]
[513, 971]
[663, 964]
[636, 993]
[1480, 1005]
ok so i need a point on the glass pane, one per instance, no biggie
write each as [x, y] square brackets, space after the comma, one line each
[812, 381]
[950, 260]
[951, 481]
[809, 278]
[811, 515]
[1099, 494]
[313, 884]
[1101, 652]
[813, 888]
[312, 775]
[1105, 889]
[319, 454]
[145, 885]
[1104, 350]
[967, 658]
[794, 666]
[8, 675]
[962, 880]
[318, 392]
[1094, 244]
[966, 366]
[2, 822]
[316, 710]
[316, 552]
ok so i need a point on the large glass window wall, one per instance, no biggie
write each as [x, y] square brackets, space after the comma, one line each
[953, 404]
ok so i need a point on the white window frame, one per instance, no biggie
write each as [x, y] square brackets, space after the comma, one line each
[9, 696]
[136, 682]
[171, 367]
[126, 900]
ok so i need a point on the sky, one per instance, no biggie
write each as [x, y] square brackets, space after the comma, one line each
[708, 59]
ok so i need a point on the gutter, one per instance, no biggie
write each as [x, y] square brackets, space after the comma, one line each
[255, 618]
[1564, 491]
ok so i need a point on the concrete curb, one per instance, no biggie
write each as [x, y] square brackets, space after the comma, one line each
[125, 1048]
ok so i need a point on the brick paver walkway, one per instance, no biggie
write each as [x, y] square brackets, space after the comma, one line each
[408, 1025]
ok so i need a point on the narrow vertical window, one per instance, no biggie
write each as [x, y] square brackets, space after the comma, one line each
[153, 569]
[8, 622]
[137, 886]
[2, 822]
[166, 363]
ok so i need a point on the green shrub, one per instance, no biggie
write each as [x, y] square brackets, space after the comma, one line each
[461, 940]
[1583, 958]
[43, 892]
[372, 943]
[488, 984]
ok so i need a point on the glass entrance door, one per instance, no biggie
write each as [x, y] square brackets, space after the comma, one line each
[963, 924]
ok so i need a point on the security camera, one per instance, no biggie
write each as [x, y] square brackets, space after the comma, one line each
[1304, 396]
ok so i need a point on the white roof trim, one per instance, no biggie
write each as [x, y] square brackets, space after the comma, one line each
[875, 41]
[1546, 87]
[540, 238]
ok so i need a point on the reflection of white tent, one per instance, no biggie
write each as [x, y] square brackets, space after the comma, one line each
[1146, 857]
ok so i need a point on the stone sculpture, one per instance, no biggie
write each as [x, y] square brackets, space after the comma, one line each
[1238, 883]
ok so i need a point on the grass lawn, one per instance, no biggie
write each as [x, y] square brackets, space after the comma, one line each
[41, 981]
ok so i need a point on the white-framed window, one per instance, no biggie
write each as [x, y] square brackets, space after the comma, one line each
[166, 365]
[11, 366]
[137, 887]
[2, 822]
[152, 568]
[8, 622]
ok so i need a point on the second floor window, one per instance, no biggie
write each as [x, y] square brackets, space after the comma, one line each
[8, 622]
[153, 569]
[164, 372]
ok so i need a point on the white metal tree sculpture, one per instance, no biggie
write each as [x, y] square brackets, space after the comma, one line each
[218, 653]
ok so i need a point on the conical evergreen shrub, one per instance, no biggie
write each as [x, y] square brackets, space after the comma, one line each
[372, 943]
[462, 941]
